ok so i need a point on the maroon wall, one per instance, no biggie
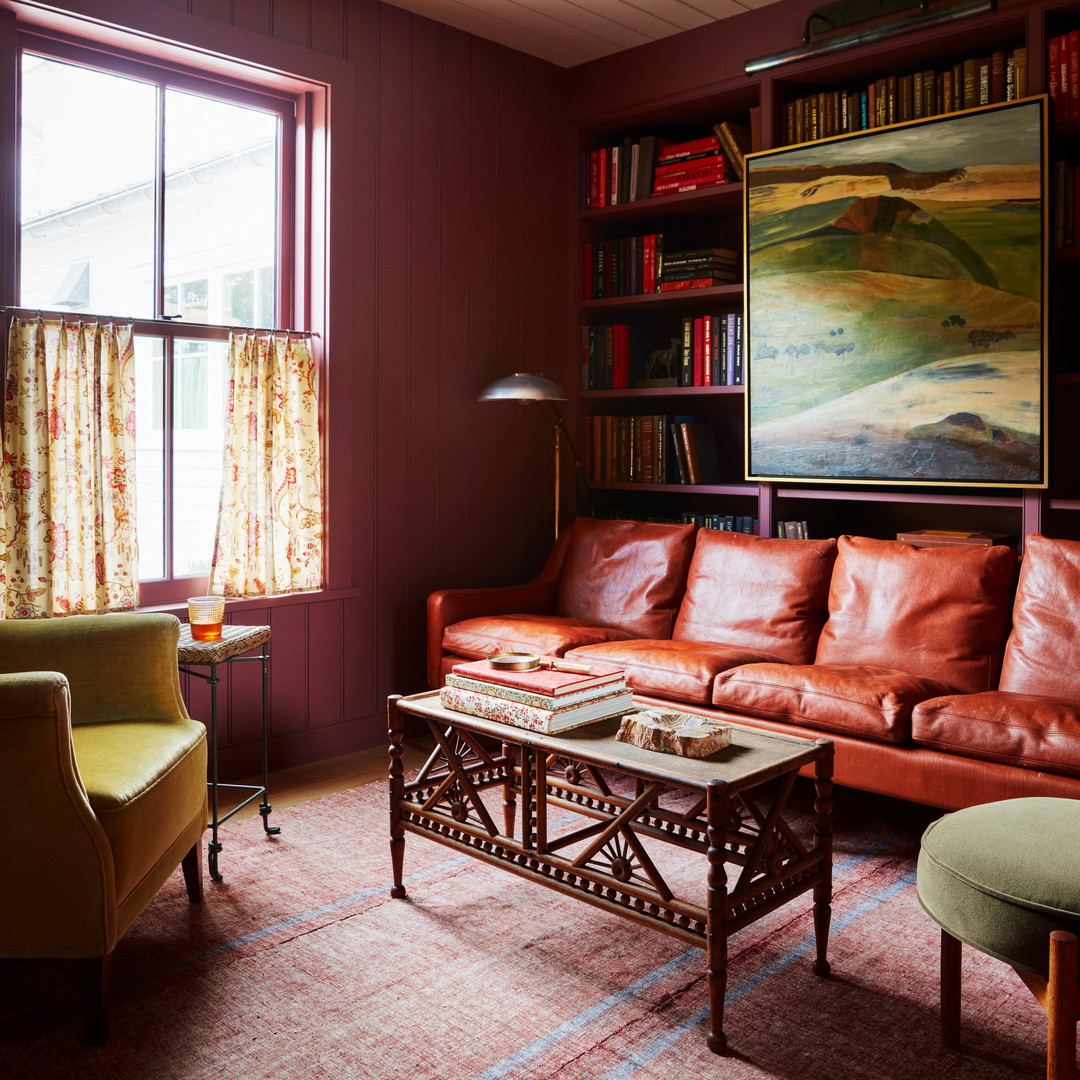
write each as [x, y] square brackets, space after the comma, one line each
[447, 270]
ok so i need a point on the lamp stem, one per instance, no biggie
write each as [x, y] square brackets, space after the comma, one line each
[558, 448]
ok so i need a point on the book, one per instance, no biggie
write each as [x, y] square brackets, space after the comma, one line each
[545, 721]
[541, 680]
[699, 447]
[548, 702]
[735, 141]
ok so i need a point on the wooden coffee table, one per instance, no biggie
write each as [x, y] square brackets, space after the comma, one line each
[731, 809]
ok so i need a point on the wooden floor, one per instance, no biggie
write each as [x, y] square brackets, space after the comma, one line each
[301, 783]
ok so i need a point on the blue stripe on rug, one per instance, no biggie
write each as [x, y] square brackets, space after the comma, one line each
[639, 1060]
[545, 1042]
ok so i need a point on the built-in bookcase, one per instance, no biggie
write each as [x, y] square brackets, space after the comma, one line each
[714, 217]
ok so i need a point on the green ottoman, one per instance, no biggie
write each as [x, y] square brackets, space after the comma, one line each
[1004, 878]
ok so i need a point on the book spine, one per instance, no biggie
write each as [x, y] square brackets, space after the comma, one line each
[527, 697]
[512, 712]
[669, 187]
[686, 370]
[1020, 61]
[691, 283]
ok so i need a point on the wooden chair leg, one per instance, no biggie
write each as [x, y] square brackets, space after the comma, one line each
[950, 990]
[1062, 1007]
[94, 972]
[192, 864]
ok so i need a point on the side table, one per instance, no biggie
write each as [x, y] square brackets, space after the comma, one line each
[234, 641]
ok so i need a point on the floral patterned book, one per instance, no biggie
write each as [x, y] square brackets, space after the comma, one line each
[527, 697]
[546, 721]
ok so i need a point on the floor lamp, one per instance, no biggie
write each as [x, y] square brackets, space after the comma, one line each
[532, 386]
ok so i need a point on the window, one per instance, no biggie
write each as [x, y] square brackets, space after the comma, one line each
[157, 194]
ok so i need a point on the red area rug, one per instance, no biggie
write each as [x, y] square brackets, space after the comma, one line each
[299, 965]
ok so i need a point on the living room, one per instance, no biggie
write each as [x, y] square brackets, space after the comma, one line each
[436, 249]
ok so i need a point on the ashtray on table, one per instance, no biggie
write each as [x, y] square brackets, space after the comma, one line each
[684, 734]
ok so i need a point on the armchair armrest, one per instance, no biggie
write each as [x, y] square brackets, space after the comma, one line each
[448, 606]
[59, 897]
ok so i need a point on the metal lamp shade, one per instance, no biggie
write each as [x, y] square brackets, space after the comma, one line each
[523, 386]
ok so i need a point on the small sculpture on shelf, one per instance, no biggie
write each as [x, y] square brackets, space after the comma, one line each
[661, 366]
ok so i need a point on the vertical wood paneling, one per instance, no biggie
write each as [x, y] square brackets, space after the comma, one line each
[486, 454]
[358, 688]
[252, 15]
[292, 21]
[244, 699]
[324, 663]
[288, 669]
[425, 303]
[394, 328]
[457, 392]
[209, 9]
[328, 27]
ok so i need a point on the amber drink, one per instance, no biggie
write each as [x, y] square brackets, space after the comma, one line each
[205, 616]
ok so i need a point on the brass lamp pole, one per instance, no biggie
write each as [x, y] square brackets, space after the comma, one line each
[532, 386]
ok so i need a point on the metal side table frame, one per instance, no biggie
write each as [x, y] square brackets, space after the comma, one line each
[234, 640]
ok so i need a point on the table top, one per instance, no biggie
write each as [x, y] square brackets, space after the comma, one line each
[753, 756]
[235, 639]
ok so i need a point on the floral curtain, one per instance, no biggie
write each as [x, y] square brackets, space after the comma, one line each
[67, 480]
[269, 533]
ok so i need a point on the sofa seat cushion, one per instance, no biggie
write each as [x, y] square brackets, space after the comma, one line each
[1029, 730]
[146, 781]
[548, 635]
[1001, 876]
[853, 699]
[758, 593]
[1040, 656]
[939, 613]
[629, 575]
[679, 670]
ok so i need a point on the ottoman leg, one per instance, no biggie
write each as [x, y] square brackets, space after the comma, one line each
[1061, 1007]
[950, 990]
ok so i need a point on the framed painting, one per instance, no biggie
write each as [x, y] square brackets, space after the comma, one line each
[895, 303]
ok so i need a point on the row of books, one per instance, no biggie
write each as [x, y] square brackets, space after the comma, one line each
[712, 350]
[649, 449]
[792, 530]
[1063, 75]
[545, 699]
[1064, 221]
[631, 265]
[723, 522]
[985, 80]
[648, 166]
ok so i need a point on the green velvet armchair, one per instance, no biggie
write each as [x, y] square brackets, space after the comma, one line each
[102, 786]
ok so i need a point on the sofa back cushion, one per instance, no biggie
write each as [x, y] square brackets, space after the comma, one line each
[757, 593]
[629, 575]
[937, 612]
[1041, 653]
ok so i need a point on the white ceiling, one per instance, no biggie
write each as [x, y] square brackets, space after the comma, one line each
[569, 32]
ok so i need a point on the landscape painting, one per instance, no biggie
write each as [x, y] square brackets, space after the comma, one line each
[895, 303]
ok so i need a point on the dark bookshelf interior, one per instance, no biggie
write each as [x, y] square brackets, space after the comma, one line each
[714, 216]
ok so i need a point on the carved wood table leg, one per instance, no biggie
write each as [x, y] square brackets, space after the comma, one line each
[823, 807]
[717, 815]
[395, 726]
[509, 795]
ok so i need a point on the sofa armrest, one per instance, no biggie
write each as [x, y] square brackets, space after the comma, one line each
[59, 898]
[448, 606]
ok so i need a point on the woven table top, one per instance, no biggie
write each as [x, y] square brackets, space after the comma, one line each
[234, 640]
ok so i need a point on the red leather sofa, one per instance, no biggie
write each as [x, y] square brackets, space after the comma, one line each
[948, 676]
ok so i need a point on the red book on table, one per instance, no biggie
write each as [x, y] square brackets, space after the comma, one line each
[541, 680]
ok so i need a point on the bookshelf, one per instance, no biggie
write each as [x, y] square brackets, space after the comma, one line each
[714, 217]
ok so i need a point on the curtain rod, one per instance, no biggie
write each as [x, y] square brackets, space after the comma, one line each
[80, 315]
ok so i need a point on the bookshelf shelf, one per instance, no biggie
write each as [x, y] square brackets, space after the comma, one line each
[676, 299]
[845, 494]
[723, 199]
[667, 392]
[680, 489]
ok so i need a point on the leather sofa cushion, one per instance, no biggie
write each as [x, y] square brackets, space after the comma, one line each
[1040, 655]
[1029, 730]
[679, 670]
[146, 780]
[938, 613]
[870, 702]
[548, 635]
[757, 593]
[629, 575]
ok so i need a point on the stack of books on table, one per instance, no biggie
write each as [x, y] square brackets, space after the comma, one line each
[544, 699]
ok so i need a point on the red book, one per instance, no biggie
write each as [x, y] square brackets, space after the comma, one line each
[707, 352]
[679, 168]
[1074, 74]
[541, 680]
[671, 186]
[648, 276]
[694, 283]
[699, 351]
[622, 357]
[673, 151]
